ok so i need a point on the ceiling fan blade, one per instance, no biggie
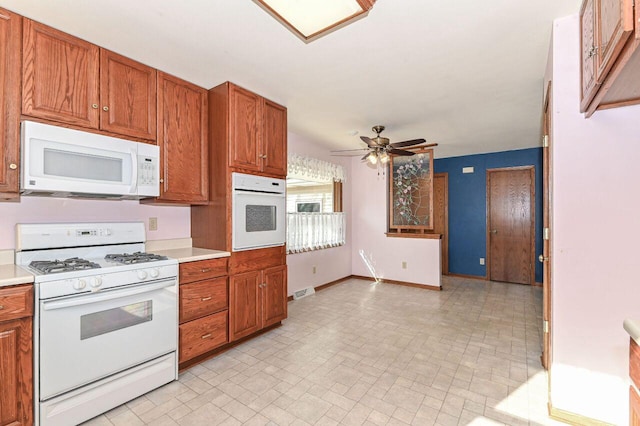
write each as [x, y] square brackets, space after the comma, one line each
[370, 143]
[349, 150]
[400, 152]
[407, 143]
[366, 156]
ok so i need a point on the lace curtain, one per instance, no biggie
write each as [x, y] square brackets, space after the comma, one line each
[313, 231]
[314, 169]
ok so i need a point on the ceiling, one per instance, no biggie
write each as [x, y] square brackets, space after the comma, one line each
[466, 74]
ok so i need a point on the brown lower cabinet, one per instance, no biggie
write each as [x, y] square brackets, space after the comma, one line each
[257, 291]
[203, 307]
[16, 355]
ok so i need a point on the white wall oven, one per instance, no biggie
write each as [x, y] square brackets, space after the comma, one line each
[105, 320]
[258, 212]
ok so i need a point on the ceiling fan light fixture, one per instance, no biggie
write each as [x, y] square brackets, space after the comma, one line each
[311, 19]
[384, 158]
[373, 158]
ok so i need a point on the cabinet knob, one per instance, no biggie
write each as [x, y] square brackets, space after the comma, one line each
[161, 180]
[105, 108]
[263, 156]
[1, 307]
[542, 258]
[94, 106]
[13, 166]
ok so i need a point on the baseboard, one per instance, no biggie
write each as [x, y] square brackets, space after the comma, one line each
[473, 277]
[327, 285]
[403, 283]
[574, 419]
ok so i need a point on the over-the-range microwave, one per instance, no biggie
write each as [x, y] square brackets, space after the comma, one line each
[62, 162]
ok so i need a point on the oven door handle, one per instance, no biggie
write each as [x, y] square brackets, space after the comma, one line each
[246, 192]
[87, 299]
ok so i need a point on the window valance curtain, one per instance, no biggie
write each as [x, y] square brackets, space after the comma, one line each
[300, 166]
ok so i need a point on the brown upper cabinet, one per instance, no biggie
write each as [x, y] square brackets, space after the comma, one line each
[72, 81]
[10, 42]
[610, 58]
[257, 133]
[182, 138]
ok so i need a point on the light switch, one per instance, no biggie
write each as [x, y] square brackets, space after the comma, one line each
[467, 170]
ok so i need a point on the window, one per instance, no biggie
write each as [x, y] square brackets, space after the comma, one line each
[314, 205]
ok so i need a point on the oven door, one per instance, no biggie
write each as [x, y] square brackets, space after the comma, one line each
[258, 220]
[85, 338]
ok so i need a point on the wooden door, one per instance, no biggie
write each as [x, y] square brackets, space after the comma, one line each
[60, 76]
[441, 216]
[274, 139]
[182, 137]
[510, 224]
[245, 109]
[16, 377]
[546, 223]
[128, 96]
[614, 25]
[244, 304]
[274, 295]
[588, 51]
[10, 42]
[634, 407]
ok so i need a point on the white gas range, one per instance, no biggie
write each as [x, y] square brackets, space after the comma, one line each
[106, 315]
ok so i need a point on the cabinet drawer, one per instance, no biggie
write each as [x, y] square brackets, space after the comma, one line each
[202, 270]
[202, 335]
[16, 302]
[203, 298]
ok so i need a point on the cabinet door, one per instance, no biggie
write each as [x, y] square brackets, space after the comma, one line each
[60, 75]
[182, 137]
[614, 25]
[127, 96]
[274, 139]
[244, 306]
[16, 373]
[587, 54]
[244, 125]
[634, 407]
[10, 42]
[274, 295]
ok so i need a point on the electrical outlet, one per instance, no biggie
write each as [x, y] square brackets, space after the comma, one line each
[404, 265]
[153, 224]
[314, 269]
[482, 260]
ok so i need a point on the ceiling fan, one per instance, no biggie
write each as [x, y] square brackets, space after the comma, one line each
[379, 148]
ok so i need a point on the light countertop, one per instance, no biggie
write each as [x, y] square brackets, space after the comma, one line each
[191, 254]
[633, 328]
[13, 275]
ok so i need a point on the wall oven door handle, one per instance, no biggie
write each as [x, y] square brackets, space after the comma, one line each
[89, 298]
[245, 192]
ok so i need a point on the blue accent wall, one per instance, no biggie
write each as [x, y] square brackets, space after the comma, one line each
[468, 206]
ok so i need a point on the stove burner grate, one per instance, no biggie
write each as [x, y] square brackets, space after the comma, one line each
[56, 266]
[132, 258]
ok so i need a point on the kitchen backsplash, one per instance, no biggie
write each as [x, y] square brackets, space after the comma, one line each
[172, 221]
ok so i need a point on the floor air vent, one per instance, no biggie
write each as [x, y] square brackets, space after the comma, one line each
[303, 293]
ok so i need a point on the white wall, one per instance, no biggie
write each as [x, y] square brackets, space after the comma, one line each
[332, 263]
[596, 229]
[173, 221]
[369, 224]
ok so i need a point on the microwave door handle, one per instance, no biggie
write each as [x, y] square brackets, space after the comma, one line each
[86, 299]
[134, 172]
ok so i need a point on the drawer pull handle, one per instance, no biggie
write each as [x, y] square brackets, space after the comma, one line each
[1, 307]
[206, 336]
[206, 270]
[204, 299]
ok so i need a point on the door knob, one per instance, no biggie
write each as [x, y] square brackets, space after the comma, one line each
[541, 258]
[494, 231]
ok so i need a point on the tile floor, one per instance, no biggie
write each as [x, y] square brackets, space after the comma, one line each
[361, 353]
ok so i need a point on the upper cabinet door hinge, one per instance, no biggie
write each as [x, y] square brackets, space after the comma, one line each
[545, 326]
[545, 141]
[547, 233]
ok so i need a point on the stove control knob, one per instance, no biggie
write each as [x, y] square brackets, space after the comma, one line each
[96, 282]
[155, 272]
[142, 274]
[80, 284]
